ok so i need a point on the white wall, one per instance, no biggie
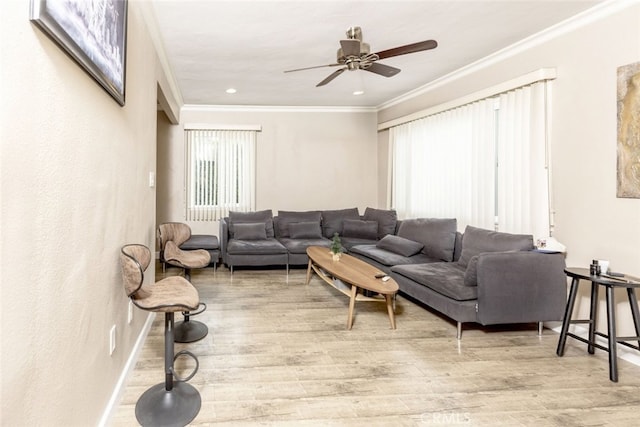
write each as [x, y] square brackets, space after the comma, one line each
[306, 160]
[74, 176]
[589, 219]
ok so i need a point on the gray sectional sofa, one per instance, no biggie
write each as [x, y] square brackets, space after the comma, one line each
[479, 276]
[262, 239]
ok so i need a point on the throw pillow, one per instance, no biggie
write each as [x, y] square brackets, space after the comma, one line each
[305, 230]
[285, 218]
[386, 219]
[332, 220]
[265, 216]
[471, 273]
[399, 245]
[250, 231]
[360, 229]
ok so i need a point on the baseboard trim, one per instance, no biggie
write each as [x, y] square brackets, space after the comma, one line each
[118, 391]
[624, 353]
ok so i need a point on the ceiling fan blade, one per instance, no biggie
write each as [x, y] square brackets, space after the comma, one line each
[331, 77]
[383, 70]
[311, 68]
[410, 48]
[350, 47]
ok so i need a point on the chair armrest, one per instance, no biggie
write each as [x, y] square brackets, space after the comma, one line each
[520, 287]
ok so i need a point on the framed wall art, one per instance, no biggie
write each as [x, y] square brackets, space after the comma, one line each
[93, 33]
[628, 88]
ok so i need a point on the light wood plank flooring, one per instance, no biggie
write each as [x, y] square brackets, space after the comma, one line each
[278, 354]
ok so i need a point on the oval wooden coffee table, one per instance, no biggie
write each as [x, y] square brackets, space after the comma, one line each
[355, 273]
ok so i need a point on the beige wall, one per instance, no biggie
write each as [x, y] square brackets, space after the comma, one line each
[306, 160]
[74, 175]
[589, 219]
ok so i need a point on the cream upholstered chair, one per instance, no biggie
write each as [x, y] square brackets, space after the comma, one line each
[171, 236]
[168, 403]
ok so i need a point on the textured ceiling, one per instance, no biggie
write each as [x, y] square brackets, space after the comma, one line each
[214, 45]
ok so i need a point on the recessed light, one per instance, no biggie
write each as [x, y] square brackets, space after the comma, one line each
[358, 92]
[231, 90]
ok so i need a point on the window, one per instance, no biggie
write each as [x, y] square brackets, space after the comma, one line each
[484, 163]
[220, 172]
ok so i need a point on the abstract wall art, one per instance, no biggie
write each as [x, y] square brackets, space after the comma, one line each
[628, 94]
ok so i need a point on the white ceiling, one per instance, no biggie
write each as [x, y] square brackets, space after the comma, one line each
[212, 45]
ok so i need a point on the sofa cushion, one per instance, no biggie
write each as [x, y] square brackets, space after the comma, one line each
[360, 229]
[265, 216]
[332, 220]
[386, 218]
[299, 246]
[350, 242]
[255, 247]
[478, 240]
[285, 218]
[446, 278]
[250, 231]
[438, 235]
[388, 258]
[305, 230]
[399, 245]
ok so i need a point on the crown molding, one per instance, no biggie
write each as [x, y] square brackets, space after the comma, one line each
[149, 15]
[573, 23]
[273, 109]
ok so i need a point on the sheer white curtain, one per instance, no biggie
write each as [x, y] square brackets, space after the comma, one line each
[442, 165]
[522, 182]
[483, 163]
[220, 173]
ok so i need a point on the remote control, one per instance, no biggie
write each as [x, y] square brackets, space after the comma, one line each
[379, 275]
[614, 274]
[385, 278]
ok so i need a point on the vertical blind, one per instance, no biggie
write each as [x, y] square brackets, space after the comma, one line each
[220, 173]
[483, 163]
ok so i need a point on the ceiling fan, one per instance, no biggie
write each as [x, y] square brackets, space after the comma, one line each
[354, 54]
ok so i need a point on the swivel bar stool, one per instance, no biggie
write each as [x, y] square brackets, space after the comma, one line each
[172, 235]
[172, 403]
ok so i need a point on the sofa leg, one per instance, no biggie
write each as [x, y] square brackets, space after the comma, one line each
[540, 326]
[459, 331]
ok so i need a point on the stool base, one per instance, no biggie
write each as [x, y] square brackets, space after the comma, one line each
[159, 407]
[189, 331]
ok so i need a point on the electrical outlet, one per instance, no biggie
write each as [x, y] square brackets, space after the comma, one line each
[130, 313]
[112, 340]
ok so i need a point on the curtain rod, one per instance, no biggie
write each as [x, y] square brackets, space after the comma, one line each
[211, 126]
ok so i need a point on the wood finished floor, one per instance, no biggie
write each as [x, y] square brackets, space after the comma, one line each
[278, 354]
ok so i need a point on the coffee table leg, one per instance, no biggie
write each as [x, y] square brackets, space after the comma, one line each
[352, 303]
[392, 317]
[308, 272]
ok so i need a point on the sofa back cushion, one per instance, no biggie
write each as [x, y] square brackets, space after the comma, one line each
[286, 218]
[332, 220]
[478, 240]
[305, 230]
[250, 231]
[438, 235]
[265, 216]
[386, 219]
[360, 229]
